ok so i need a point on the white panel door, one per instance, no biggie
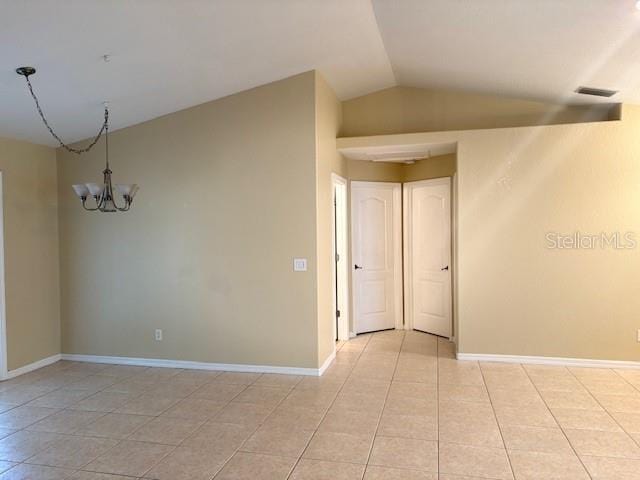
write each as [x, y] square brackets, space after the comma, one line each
[377, 255]
[428, 255]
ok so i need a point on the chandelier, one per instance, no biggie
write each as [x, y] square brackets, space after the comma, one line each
[103, 194]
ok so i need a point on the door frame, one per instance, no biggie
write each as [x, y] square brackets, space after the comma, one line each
[397, 253]
[340, 245]
[454, 257]
[408, 247]
[4, 368]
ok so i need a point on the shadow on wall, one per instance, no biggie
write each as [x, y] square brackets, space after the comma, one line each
[425, 169]
[414, 110]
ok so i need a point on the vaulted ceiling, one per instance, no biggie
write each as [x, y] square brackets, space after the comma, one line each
[166, 55]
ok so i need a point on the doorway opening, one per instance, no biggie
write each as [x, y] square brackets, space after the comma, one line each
[341, 263]
[4, 368]
[403, 247]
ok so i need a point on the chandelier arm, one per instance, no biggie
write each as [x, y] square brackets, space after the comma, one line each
[101, 202]
[126, 207]
[113, 199]
[84, 205]
[127, 204]
[77, 151]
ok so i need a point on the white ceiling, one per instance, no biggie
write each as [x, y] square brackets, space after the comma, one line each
[536, 49]
[171, 54]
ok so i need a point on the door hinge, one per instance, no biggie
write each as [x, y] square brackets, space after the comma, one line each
[337, 313]
[337, 257]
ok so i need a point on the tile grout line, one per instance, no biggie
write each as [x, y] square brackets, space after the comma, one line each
[81, 377]
[605, 409]
[555, 419]
[260, 424]
[614, 418]
[495, 417]
[246, 386]
[104, 389]
[438, 402]
[384, 404]
[328, 409]
[31, 384]
[152, 418]
[341, 382]
[127, 437]
[633, 385]
[175, 447]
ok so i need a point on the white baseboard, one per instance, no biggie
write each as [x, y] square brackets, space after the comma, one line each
[560, 361]
[33, 366]
[327, 363]
[229, 367]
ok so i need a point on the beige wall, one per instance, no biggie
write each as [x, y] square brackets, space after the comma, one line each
[424, 169]
[234, 189]
[328, 121]
[514, 185]
[359, 170]
[517, 296]
[427, 168]
[406, 110]
[31, 252]
[227, 200]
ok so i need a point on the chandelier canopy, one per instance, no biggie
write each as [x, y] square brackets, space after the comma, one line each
[103, 194]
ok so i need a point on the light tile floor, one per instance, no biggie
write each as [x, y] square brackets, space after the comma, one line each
[394, 405]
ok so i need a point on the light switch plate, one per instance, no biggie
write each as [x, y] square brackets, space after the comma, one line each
[299, 264]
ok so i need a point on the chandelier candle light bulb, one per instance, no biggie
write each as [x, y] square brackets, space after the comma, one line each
[102, 193]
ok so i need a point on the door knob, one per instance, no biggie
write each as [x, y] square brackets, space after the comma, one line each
[445, 268]
[358, 267]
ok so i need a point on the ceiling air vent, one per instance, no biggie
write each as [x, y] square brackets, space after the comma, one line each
[598, 92]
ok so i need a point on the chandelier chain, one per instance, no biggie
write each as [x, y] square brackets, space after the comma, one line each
[78, 151]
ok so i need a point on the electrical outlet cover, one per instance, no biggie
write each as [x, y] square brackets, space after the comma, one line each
[299, 264]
